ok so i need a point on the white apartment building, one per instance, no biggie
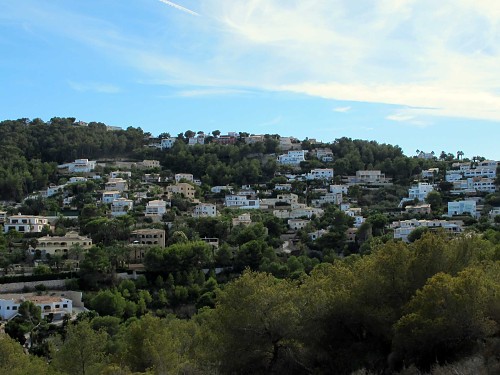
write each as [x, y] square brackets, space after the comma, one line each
[300, 212]
[167, 143]
[481, 172]
[241, 201]
[110, 195]
[3, 217]
[205, 210]
[184, 176]
[320, 174]
[403, 228]
[156, 208]
[486, 185]
[488, 164]
[292, 158]
[25, 223]
[462, 207]
[61, 245]
[121, 206]
[420, 191]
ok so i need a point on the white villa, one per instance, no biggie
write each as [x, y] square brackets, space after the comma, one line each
[462, 207]
[121, 206]
[292, 158]
[25, 223]
[320, 174]
[205, 210]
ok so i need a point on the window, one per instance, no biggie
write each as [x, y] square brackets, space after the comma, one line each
[57, 306]
[65, 305]
[14, 307]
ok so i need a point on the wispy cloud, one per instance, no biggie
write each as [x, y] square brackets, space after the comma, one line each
[176, 6]
[275, 121]
[210, 92]
[105, 88]
[342, 109]
[399, 117]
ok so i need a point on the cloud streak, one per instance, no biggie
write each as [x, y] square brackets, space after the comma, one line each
[176, 6]
[99, 87]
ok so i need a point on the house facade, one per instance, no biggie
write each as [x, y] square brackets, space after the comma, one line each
[25, 223]
[61, 245]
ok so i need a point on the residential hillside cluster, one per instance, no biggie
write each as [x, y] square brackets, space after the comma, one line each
[299, 255]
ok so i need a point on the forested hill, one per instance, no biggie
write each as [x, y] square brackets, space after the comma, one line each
[31, 150]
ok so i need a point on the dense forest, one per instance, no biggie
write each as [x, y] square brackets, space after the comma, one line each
[403, 307]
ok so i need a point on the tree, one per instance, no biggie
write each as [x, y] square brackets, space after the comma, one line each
[446, 317]
[110, 303]
[435, 199]
[254, 326]
[82, 352]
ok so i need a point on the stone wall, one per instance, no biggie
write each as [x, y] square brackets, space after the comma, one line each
[18, 287]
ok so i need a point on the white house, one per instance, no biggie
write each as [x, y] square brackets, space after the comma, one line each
[403, 228]
[453, 175]
[243, 219]
[205, 210]
[283, 187]
[430, 173]
[241, 201]
[426, 155]
[320, 174]
[218, 189]
[324, 154]
[80, 166]
[369, 177]
[56, 305]
[156, 208]
[296, 224]
[25, 223]
[292, 158]
[77, 179]
[462, 207]
[339, 189]
[110, 195]
[116, 184]
[317, 234]
[121, 206]
[167, 143]
[122, 174]
[199, 139]
[184, 176]
[328, 198]
[420, 191]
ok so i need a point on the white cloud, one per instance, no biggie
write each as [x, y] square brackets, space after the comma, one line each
[105, 88]
[342, 109]
[441, 57]
[209, 92]
[399, 117]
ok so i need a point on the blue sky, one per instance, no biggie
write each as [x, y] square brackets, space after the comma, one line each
[417, 73]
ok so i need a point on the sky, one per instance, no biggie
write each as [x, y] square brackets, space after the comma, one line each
[421, 74]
